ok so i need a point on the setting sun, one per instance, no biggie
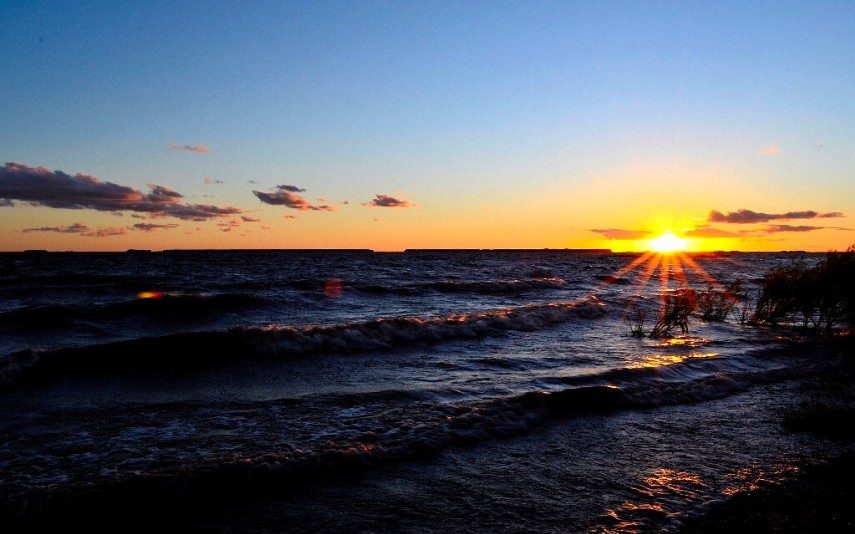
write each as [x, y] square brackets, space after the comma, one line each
[667, 242]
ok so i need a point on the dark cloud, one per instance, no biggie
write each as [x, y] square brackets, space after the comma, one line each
[56, 189]
[744, 216]
[385, 201]
[621, 234]
[79, 229]
[289, 199]
[249, 219]
[150, 227]
[199, 149]
[711, 231]
[291, 188]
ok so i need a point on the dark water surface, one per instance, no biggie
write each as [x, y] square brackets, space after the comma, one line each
[282, 391]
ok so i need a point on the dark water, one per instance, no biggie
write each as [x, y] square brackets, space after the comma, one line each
[282, 391]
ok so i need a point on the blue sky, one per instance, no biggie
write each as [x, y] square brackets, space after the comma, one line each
[450, 103]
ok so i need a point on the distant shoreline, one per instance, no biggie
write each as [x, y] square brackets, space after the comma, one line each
[405, 251]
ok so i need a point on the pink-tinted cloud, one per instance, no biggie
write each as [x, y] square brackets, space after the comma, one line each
[55, 189]
[198, 149]
[386, 201]
[770, 150]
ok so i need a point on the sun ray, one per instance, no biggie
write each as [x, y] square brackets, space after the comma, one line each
[646, 275]
[679, 273]
[710, 279]
[664, 275]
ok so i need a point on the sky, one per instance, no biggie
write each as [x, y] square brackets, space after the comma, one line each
[394, 125]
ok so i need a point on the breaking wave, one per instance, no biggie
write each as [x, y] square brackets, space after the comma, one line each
[200, 348]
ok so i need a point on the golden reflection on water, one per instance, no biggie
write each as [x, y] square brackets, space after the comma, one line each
[658, 488]
[663, 360]
[684, 341]
[751, 478]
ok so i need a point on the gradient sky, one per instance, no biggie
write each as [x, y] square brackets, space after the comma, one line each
[493, 124]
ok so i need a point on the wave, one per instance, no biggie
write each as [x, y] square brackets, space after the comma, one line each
[172, 306]
[201, 348]
[427, 430]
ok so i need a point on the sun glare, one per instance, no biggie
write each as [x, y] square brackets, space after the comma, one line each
[667, 242]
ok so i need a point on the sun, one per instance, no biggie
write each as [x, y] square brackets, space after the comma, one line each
[667, 242]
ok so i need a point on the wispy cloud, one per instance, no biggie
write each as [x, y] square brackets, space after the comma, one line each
[777, 228]
[249, 219]
[207, 180]
[386, 201]
[151, 227]
[621, 234]
[55, 189]
[770, 150]
[744, 216]
[79, 229]
[283, 196]
[199, 149]
[711, 231]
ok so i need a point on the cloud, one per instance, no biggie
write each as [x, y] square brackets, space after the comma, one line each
[249, 219]
[385, 201]
[288, 216]
[770, 150]
[78, 228]
[199, 149]
[283, 197]
[56, 189]
[150, 227]
[291, 188]
[207, 180]
[776, 228]
[711, 231]
[620, 234]
[744, 216]
[104, 232]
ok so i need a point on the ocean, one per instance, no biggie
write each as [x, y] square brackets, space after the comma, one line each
[287, 391]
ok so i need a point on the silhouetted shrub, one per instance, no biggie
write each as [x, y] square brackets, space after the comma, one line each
[815, 298]
[677, 307]
[715, 304]
[635, 320]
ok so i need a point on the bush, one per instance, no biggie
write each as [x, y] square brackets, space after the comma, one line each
[678, 306]
[635, 320]
[815, 298]
[716, 304]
